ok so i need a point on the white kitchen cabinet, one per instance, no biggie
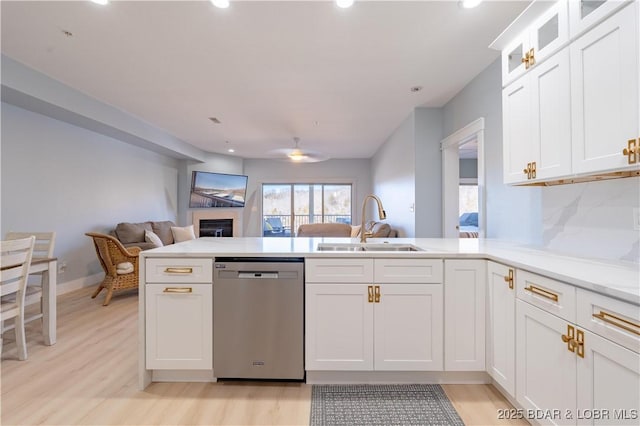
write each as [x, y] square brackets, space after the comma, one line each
[537, 125]
[584, 14]
[546, 368]
[604, 93]
[179, 326]
[385, 324]
[339, 327]
[501, 326]
[541, 39]
[464, 320]
[608, 379]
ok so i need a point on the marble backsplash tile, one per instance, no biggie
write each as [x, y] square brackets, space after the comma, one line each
[593, 219]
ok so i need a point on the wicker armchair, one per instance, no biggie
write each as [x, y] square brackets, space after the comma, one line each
[112, 253]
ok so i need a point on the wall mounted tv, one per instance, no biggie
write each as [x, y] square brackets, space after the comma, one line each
[217, 190]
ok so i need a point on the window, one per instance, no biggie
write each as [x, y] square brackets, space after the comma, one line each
[468, 203]
[287, 206]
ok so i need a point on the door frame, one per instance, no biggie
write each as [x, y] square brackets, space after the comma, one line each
[451, 177]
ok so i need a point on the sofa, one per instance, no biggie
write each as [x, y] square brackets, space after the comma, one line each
[133, 234]
[378, 230]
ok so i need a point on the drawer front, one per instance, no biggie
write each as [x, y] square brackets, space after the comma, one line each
[612, 319]
[408, 270]
[179, 270]
[550, 295]
[339, 270]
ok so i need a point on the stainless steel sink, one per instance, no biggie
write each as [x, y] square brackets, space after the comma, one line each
[367, 247]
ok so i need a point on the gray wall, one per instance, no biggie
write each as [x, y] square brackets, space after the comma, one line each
[59, 177]
[393, 174]
[513, 213]
[357, 172]
[468, 168]
[428, 159]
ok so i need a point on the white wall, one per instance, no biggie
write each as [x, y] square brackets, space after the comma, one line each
[59, 177]
[513, 213]
[393, 175]
[357, 172]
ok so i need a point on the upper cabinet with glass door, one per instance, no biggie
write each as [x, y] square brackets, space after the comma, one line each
[584, 14]
[544, 37]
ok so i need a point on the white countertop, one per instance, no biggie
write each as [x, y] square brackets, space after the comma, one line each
[616, 279]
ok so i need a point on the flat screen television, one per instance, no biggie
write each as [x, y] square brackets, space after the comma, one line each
[217, 190]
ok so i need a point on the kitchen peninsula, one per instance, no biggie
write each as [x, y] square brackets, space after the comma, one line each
[452, 311]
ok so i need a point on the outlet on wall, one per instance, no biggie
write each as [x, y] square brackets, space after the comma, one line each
[62, 267]
[636, 219]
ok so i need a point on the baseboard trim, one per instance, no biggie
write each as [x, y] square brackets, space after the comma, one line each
[79, 283]
[397, 377]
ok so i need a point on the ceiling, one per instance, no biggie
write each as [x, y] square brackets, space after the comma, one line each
[339, 79]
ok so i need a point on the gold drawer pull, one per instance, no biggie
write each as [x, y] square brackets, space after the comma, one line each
[542, 292]
[377, 293]
[178, 271]
[626, 325]
[178, 290]
[509, 279]
[370, 290]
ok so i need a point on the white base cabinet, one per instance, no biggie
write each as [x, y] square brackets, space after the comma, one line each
[464, 314]
[501, 326]
[392, 321]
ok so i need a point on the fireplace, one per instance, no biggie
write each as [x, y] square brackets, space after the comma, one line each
[216, 228]
[234, 215]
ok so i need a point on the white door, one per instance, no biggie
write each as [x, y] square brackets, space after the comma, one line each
[516, 123]
[179, 320]
[464, 314]
[604, 92]
[408, 327]
[546, 369]
[608, 379]
[551, 116]
[339, 327]
[501, 326]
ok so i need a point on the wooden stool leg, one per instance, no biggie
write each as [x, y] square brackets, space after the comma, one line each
[98, 290]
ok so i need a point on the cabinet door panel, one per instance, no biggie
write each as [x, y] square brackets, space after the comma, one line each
[584, 14]
[604, 91]
[464, 300]
[546, 369]
[551, 117]
[408, 327]
[339, 327]
[608, 379]
[501, 328]
[179, 327]
[516, 111]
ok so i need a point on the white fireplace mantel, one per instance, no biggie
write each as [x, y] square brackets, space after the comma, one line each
[218, 213]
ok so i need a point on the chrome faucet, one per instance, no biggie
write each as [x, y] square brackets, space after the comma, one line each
[381, 214]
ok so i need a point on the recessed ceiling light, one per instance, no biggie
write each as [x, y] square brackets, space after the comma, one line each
[416, 89]
[215, 120]
[231, 150]
[344, 3]
[222, 4]
[101, 2]
[469, 4]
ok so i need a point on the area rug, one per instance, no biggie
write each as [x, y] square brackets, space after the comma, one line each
[381, 405]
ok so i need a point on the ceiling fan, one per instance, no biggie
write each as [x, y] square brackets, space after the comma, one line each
[298, 155]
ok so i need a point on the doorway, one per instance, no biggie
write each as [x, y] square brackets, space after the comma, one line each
[461, 191]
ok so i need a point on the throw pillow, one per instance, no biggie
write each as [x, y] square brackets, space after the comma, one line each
[355, 230]
[129, 233]
[184, 233]
[124, 268]
[151, 237]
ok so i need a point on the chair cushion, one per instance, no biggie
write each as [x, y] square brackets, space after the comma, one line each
[184, 233]
[151, 237]
[163, 230]
[129, 233]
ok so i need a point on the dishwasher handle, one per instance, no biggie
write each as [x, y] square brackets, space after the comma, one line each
[258, 275]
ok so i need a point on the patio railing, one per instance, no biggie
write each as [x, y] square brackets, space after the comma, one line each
[299, 219]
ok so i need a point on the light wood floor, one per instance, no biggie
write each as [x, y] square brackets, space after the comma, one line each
[90, 378]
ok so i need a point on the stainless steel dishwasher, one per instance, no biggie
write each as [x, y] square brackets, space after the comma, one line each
[258, 318]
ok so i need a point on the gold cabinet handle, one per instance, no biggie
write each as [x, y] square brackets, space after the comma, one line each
[631, 151]
[509, 279]
[370, 290]
[579, 343]
[178, 270]
[532, 57]
[377, 294]
[527, 171]
[178, 290]
[569, 338]
[542, 292]
[622, 323]
[533, 170]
